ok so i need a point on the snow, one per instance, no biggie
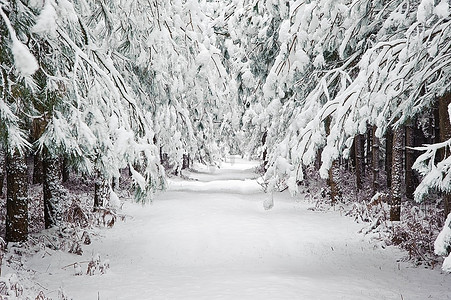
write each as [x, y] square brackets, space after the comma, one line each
[442, 9]
[46, 22]
[24, 61]
[442, 244]
[210, 238]
[425, 10]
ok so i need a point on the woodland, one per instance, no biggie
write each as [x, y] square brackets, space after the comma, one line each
[348, 99]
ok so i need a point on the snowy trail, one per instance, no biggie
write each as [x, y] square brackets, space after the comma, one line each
[210, 238]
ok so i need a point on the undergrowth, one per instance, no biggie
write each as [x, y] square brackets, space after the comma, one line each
[78, 226]
[415, 232]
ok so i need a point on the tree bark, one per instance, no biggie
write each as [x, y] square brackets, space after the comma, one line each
[359, 160]
[38, 172]
[369, 155]
[101, 191]
[265, 151]
[388, 155]
[410, 159]
[375, 161]
[51, 189]
[2, 169]
[436, 138]
[397, 168]
[65, 173]
[445, 134]
[16, 197]
[38, 128]
[185, 162]
[334, 172]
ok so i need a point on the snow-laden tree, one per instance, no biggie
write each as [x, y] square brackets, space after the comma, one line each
[344, 66]
[252, 28]
[353, 64]
[442, 245]
[17, 65]
[181, 70]
[99, 121]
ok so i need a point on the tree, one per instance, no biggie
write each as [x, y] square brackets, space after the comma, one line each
[397, 167]
[17, 64]
[375, 160]
[16, 197]
[51, 189]
[2, 169]
[359, 159]
[409, 160]
[445, 135]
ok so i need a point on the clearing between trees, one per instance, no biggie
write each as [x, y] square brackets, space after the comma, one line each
[209, 237]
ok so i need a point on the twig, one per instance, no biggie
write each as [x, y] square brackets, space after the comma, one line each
[80, 262]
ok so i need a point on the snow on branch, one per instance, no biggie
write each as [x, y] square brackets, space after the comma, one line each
[25, 63]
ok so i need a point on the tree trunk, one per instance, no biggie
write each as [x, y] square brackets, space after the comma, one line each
[396, 186]
[351, 161]
[265, 151]
[186, 162]
[51, 189]
[410, 159]
[38, 172]
[369, 155]
[388, 155]
[334, 173]
[101, 191]
[436, 138]
[2, 169]
[38, 128]
[16, 197]
[445, 134]
[375, 161]
[359, 160]
[64, 169]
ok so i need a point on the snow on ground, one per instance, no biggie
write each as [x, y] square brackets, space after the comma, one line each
[210, 238]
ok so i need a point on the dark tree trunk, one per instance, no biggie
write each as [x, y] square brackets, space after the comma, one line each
[65, 169]
[410, 159]
[375, 161]
[445, 134]
[164, 159]
[2, 169]
[369, 154]
[334, 173]
[351, 161]
[265, 151]
[16, 197]
[397, 172]
[51, 189]
[38, 171]
[186, 162]
[359, 160]
[388, 155]
[437, 137]
[38, 128]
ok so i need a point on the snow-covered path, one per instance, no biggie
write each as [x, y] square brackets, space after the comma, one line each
[210, 238]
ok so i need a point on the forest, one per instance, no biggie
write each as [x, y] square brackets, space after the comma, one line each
[347, 98]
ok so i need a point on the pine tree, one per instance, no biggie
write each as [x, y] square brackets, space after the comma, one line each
[409, 160]
[16, 197]
[397, 172]
[51, 189]
[445, 135]
[2, 169]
